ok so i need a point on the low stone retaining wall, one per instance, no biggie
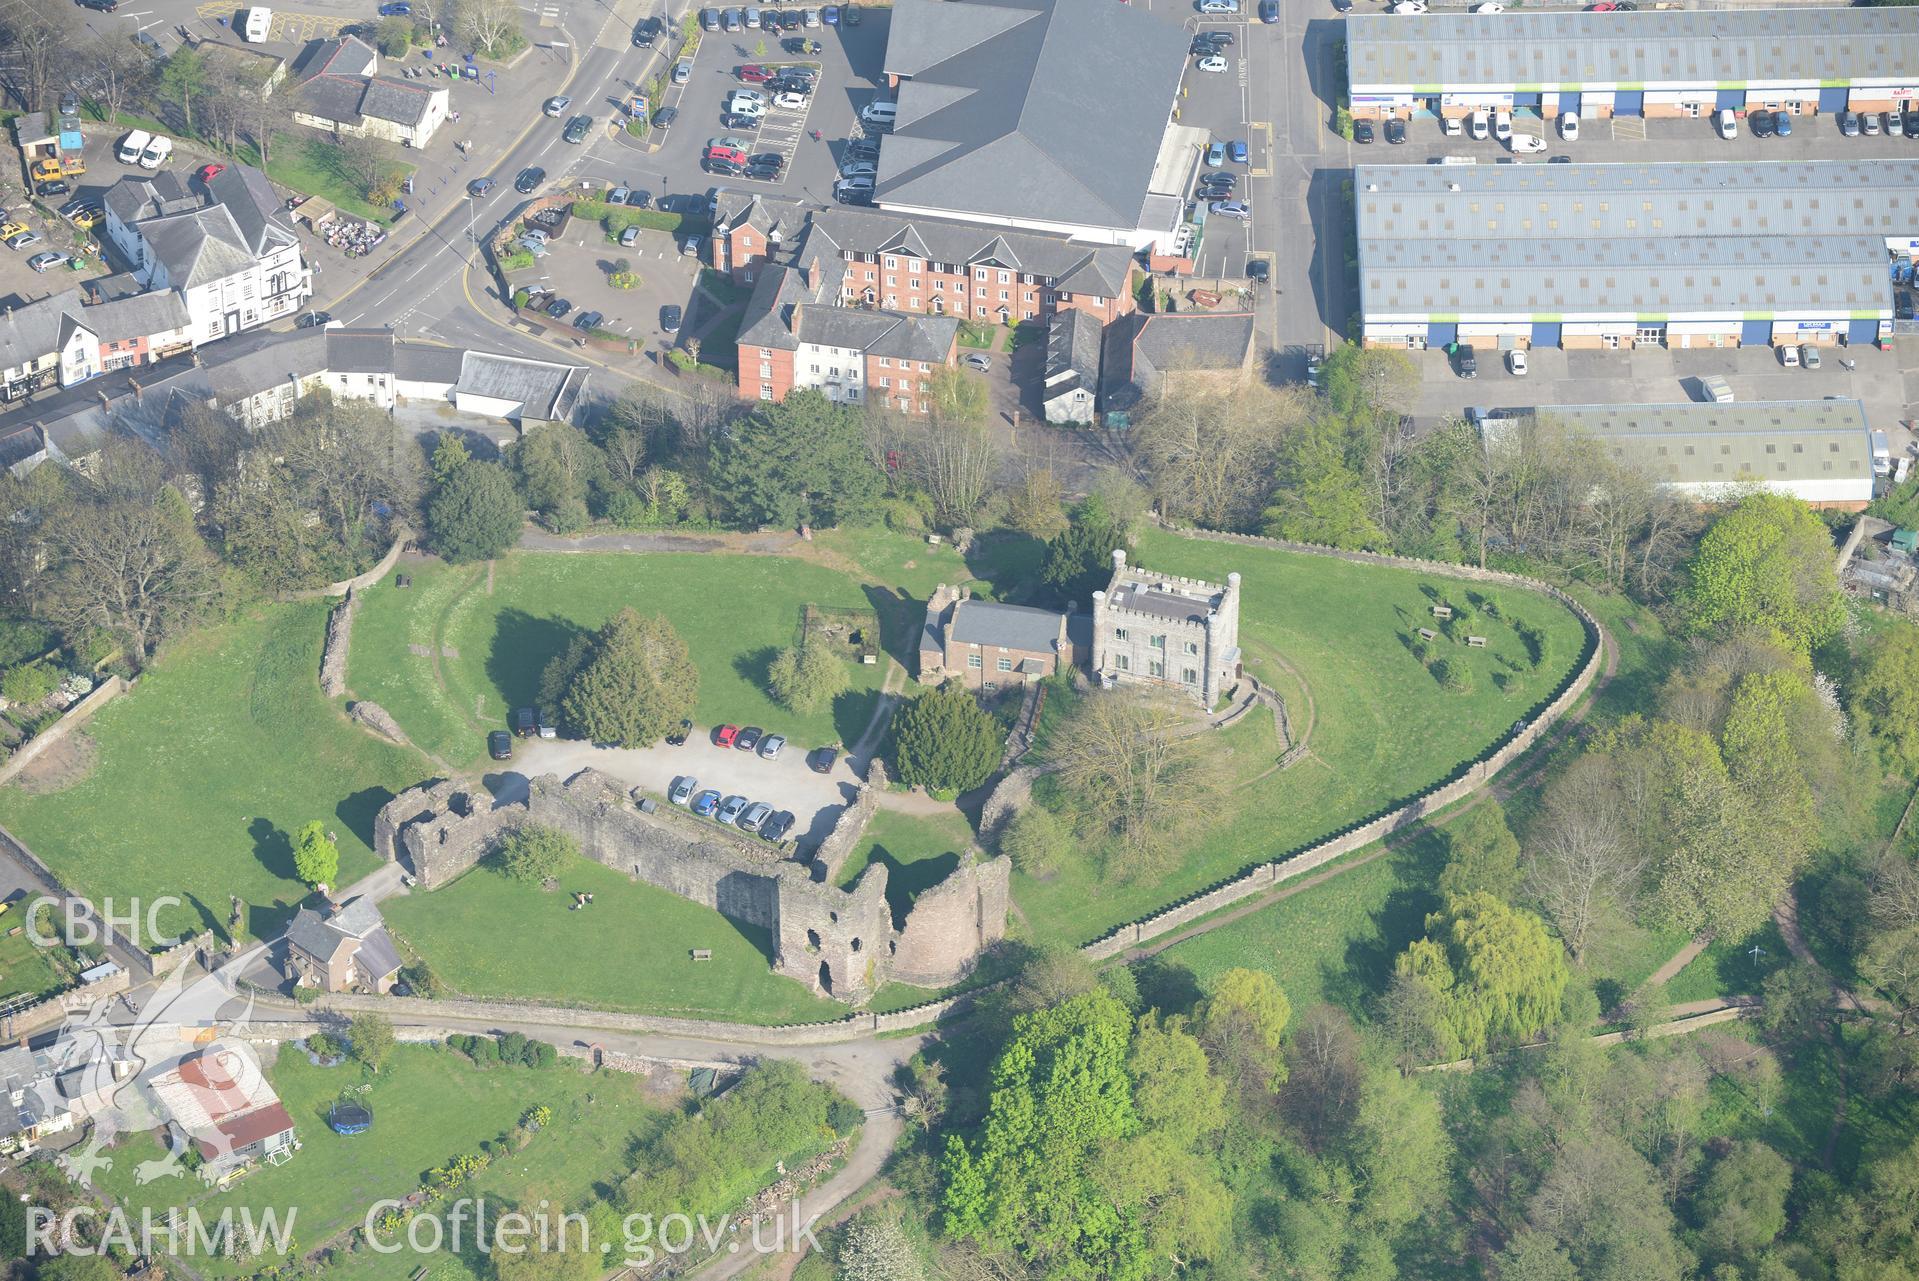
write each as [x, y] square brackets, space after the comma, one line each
[74, 717]
[339, 639]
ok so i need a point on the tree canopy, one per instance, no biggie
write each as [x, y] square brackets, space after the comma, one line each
[1497, 974]
[945, 741]
[629, 685]
[801, 461]
[1768, 563]
[475, 514]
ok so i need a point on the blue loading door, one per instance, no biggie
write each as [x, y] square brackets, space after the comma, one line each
[1439, 333]
[1569, 102]
[1862, 331]
[1730, 99]
[1834, 99]
[1545, 333]
[1755, 332]
[1629, 102]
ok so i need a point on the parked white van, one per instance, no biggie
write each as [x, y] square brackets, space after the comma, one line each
[880, 114]
[156, 152]
[136, 142]
[1726, 121]
[258, 23]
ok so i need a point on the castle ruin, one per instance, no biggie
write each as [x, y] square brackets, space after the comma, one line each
[840, 942]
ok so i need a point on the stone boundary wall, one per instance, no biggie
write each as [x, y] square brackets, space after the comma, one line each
[53, 1011]
[339, 639]
[850, 826]
[1471, 779]
[103, 693]
[26, 858]
[401, 537]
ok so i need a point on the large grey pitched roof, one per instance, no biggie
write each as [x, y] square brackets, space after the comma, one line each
[425, 362]
[1593, 240]
[1645, 49]
[783, 313]
[1072, 352]
[160, 311]
[1070, 266]
[377, 956]
[311, 933]
[984, 622]
[254, 204]
[767, 320]
[199, 246]
[1194, 340]
[1029, 110]
[359, 351]
[35, 330]
[335, 98]
[396, 100]
[358, 917]
[132, 199]
[1712, 443]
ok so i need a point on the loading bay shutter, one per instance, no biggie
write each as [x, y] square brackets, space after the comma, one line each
[1439, 333]
[1862, 332]
[1834, 99]
[1755, 333]
[1629, 102]
[1568, 102]
[1730, 99]
[1545, 333]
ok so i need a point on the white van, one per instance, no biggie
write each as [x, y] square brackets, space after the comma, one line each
[135, 143]
[258, 23]
[1525, 143]
[880, 114]
[1726, 121]
[156, 152]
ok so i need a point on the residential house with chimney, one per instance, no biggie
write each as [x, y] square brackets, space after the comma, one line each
[59, 341]
[1146, 357]
[986, 645]
[344, 949]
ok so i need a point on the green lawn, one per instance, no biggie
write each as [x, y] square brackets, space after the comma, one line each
[27, 969]
[224, 749]
[1384, 729]
[734, 613]
[917, 852]
[308, 162]
[630, 950]
[429, 1105]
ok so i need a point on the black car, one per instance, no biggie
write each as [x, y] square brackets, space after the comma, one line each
[499, 745]
[849, 15]
[822, 759]
[665, 116]
[765, 167]
[1902, 306]
[1219, 37]
[1468, 363]
[479, 186]
[1395, 131]
[775, 828]
[794, 44]
[1342, 6]
[576, 129]
[100, 6]
[558, 307]
[53, 187]
[526, 722]
[646, 33]
[529, 179]
[722, 168]
[678, 737]
[749, 738]
[1760, 122]
[638, 199]
[1559, 160]
[313, 318]
[1362, 131]
[670, 319]
[1258, 269]
[1202, 47]
[587, 321]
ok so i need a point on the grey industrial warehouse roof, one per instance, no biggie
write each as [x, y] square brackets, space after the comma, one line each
[1638, 239]
[1714, 443]
[1031, 110]
[1646, 49]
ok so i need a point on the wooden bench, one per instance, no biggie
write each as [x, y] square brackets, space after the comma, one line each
[702, 954]
[1476, 642]
[1442, 611]
[1427, 633]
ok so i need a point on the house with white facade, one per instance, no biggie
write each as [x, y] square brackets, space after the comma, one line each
[338, 87]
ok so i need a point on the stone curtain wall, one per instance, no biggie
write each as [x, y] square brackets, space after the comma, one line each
[339, 638]
[850, 826]
[77, 715]
[952, 923]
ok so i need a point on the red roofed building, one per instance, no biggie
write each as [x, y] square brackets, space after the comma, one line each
[221, 1102]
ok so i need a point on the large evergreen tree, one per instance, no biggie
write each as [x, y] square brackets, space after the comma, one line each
[475, 514]
[945, 741]
[630, 685]
[802, 461]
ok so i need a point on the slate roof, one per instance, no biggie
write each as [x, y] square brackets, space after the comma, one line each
[397, 100]
[377, 957]
[141, 316]
[335, 98]
[425, 362]
[358, 917]
[1070, 266]
[132, 199]
[337, 82]
[359, 351]
[1029, 110]
[255, 206]
[310, 933]
[767, 318]
[35, 330]
[1194, 340]
[783, 313]
[299, 354]
[1072, 352]
[985, 622]
[198, 247]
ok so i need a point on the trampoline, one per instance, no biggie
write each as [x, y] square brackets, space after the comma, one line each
[350, 1118]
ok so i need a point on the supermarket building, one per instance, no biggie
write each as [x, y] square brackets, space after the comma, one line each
[1624, 255]
[1650, 63]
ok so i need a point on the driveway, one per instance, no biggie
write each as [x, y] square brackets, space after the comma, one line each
[815, 799]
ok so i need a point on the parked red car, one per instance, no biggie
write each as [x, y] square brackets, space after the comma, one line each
[725, 734]
[754, 74]
[728, 154]
[208, 171]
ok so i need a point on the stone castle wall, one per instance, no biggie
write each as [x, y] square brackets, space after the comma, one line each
[839, 941]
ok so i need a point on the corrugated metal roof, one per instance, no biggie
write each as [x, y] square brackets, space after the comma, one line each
[1706, 443]
[1644, 49]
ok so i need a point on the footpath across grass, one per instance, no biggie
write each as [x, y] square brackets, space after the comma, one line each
[205, 769]
[631, 949]
[734, 613]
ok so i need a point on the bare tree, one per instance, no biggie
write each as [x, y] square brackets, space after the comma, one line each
[41, 36]
[1212, 456]
[111, 71]
[1143, 770]
[625, 449]
[487, 25]
[366, 162]
[345, 457]
[1584, 864]
[955, 463]
[127, 558]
